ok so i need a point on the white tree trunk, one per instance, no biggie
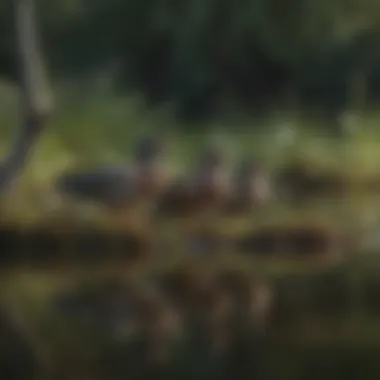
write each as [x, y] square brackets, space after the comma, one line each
[36, 98]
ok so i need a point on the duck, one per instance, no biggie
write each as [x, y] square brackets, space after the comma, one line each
[119, 189]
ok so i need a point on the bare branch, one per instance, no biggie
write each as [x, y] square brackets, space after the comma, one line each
[36, 96]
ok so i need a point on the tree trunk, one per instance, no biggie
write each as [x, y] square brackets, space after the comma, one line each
[36, 99]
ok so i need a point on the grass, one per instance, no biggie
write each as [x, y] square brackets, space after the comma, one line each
[89, 129]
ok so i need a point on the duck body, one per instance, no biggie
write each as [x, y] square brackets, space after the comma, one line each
[113, 186]
[205, 189]
[109, 185]
[192, 195]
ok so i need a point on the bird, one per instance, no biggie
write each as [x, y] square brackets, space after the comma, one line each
[118, 189]
[251, 187]
[195, 199]
[204, 189]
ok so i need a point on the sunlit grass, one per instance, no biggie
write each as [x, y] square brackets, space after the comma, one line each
[104, 129]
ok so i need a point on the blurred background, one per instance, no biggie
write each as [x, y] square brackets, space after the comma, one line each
[279, 286]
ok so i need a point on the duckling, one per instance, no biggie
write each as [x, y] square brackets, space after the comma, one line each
[252, 187]
[206, 189]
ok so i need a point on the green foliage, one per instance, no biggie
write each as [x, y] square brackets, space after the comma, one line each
[202, 54]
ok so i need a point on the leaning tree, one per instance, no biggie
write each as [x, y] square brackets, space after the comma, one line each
[36, 105]
[35, 94]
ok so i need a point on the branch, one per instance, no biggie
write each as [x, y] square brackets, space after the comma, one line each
[36, 96]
